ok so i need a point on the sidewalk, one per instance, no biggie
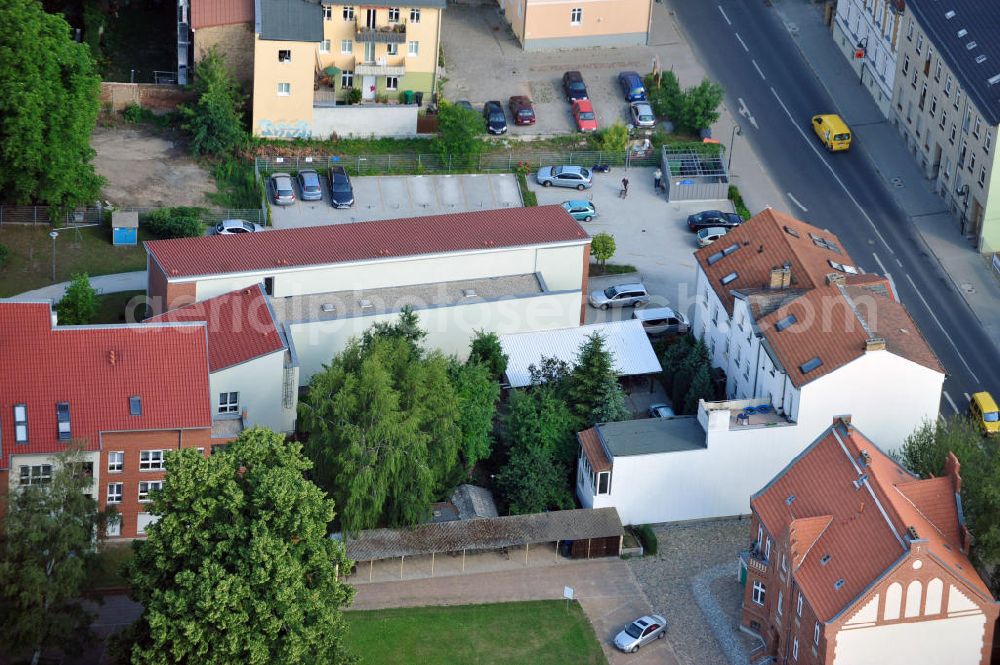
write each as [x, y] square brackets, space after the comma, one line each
[883, 146]
[123, 281]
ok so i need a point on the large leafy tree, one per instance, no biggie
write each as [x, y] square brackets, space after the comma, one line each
[48, 109]
[215, 119]
[239, 568]
[477, 393]
[593, 389]
[486, 349]
[459, 132]
[46, 542]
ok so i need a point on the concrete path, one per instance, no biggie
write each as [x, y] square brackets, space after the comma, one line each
[123, 281]
[607, 591]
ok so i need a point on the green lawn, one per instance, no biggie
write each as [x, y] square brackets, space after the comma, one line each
[87, 250]
[118, 308]
[546, 632]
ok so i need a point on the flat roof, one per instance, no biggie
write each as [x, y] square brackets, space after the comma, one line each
[347, 304]
[650, 436]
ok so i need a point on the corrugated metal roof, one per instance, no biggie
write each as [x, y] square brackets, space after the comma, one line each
[626, 340]
[365, 241]
[209, 13]
[485, 534]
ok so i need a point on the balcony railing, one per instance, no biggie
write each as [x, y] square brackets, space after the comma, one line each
[755, 559]
[394, 33]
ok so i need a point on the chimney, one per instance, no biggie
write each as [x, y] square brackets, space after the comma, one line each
[874, 344]
[112, 358]
[864, 459]
[835, 278]
[781, 277]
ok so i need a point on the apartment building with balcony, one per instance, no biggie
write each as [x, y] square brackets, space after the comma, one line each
[854, 561]
[867, 32]
[946, 105]
[307, 57]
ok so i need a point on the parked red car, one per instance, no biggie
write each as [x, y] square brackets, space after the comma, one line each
[583, 113]
[521, 110]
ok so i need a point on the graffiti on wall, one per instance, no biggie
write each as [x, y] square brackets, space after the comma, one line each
[285, 130]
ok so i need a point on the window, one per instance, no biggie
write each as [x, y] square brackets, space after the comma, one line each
[62, 420]
[36, 474]
[135, 405]
[142, 522]
[781, 601]
[798, 605]
[952, 133]
[415, 15]
[576, 15]
[937, 70]
[346, 79]
[392, 49]
[795, 649]
[348, 13]
[767, 549]
[604, 482]
[947, 85]
[148, 486]
[906, 64]
[988, 143]
[412, 48]
[115, 491]
[972, 162]
[116, 461]
[967, 120]
[21, 423]
[151, 460]
[393, 14]
[982, 177]
[757, 595]
[760, 535]
[961, 154]
[324, 46]
[909, 29]
[784, 563]
[284, 55]
[958, 97]
[346, 47]
[114, 527]
[920, 43]
[327, 13]
[977, 127]
[933, 108]
[816, 633]
[284, 89]
[229, 402]
[392, 83]
[944, 119]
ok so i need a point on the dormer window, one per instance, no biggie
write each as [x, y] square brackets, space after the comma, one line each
[21, 423]
[62, 421]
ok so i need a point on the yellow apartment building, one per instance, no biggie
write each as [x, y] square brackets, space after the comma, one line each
[558, 24]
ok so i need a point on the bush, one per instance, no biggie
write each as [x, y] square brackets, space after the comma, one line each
[353, 95]
[529, 198]
[4, 256]
[666, 98]
[737, 199]
[645, 534]
[133, 113]
[181, 222]
[613, 138]
[215, 120]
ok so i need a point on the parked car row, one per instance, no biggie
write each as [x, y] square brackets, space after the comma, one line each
[281, 187]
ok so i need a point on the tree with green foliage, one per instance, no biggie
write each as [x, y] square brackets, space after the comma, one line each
[46, 545]
[406, 327]
[478, 394]
[613, 138]
[672, 358]
[178, 222]
[602, 247]
[531, 482]
[486, 350]
[610, 404]
[215, 119]
[924, 453]
[4, 256]
[48, 108]
[459, 134]
[592, 384]
[79, 304]
[700, 389]
[700, 109]
[239, 568]
[665, 95]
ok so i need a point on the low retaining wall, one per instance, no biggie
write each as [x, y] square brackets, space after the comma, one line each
[158, 97]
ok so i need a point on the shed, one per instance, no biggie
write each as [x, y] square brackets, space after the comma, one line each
[125, 228]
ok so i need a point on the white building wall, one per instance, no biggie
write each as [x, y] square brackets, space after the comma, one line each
[744, 354]
[19, 460]
[956, 640]
[364, 120]
[449, 329]
[260, 385]
[710, 321]
[854, 23]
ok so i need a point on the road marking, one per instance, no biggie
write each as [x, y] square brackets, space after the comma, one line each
[899, 262]
[840, 182]
[950, 400]
[757, 67]
[946, 335]
[796, 202]
[888, 277]
[745, 112]
[968, 398]
[742, 43]
[723, 12]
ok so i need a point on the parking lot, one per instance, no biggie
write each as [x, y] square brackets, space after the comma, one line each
[484, 62]
[391, 197]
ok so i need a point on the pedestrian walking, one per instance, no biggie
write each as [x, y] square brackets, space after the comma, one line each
[657, 179]
[624, 192]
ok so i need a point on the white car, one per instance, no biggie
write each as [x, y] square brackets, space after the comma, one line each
[229, 227]
[641, 631]
[707, 236]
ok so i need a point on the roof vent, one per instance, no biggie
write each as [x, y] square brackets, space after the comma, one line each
[970, 46]
[469, 293]
[865, 458]
[980, 59]
[963, 32]
[112, 357]
[365, 303]
[825, 559]
[839, 583]
[790, 499]
[860, 481]
[911, 533]
[327, 307]
[875, 344]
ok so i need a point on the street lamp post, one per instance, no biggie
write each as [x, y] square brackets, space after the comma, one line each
[737, 131]
[863, 50]
[54, 235]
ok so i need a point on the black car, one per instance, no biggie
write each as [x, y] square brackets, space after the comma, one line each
[496, 121]
[574, 86]
[341, 191]
[708, 218]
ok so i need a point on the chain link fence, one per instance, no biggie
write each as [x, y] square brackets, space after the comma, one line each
[45, 216]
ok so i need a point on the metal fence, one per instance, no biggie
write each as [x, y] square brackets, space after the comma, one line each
[489, 162]
[43, 215]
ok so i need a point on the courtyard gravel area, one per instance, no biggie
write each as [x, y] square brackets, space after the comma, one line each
[692, 583]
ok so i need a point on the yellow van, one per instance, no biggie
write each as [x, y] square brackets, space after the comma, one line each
[984, 412]
[832, 131]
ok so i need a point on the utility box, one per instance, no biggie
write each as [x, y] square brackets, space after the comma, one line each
[125, 228]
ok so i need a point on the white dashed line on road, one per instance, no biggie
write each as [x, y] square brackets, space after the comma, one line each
[797, 202]
[885, 272]
[943, 329]
[723, 12]
[757, 67]
[950, 400]
[968, 397]
[742, 43]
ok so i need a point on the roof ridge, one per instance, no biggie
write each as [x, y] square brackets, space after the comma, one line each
[854, 308]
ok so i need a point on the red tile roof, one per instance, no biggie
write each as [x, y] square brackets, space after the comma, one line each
[209, 13]
[858, 544]
[835, 322]
[365, 241]
[770, 239]
[240, 326]
[96, 369]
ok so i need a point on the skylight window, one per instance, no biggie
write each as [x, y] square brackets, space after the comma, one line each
[850, 270]
[792, 232]
[62, 419]
[993, 80]
[135, 405]
[810, 365]
[825, 559]
[963, 32]
[949, 14]
[731, 277]
[790, 499]
[820, 241]
[732, 248]
[980, 59]
[970, 46]
[785, 322]
[839, 583]
[715, 257]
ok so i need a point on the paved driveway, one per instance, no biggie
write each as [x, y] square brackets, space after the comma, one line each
[391, 197]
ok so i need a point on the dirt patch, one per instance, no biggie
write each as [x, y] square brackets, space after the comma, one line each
[145, 168]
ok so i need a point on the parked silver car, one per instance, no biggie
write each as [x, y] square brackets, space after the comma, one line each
[642, 114]
[577, 177]
[661, 320]
[709, 235]
[620, 295]
[309, 185]
[279, 186]
[640, 632]
[661, 411]
[229, 227]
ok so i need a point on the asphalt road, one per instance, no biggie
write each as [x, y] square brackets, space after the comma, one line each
[745, 47]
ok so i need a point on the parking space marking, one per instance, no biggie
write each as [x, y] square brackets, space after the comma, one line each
[950, 401]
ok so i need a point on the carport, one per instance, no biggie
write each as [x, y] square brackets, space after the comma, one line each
[694, 172]
[590, 534]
